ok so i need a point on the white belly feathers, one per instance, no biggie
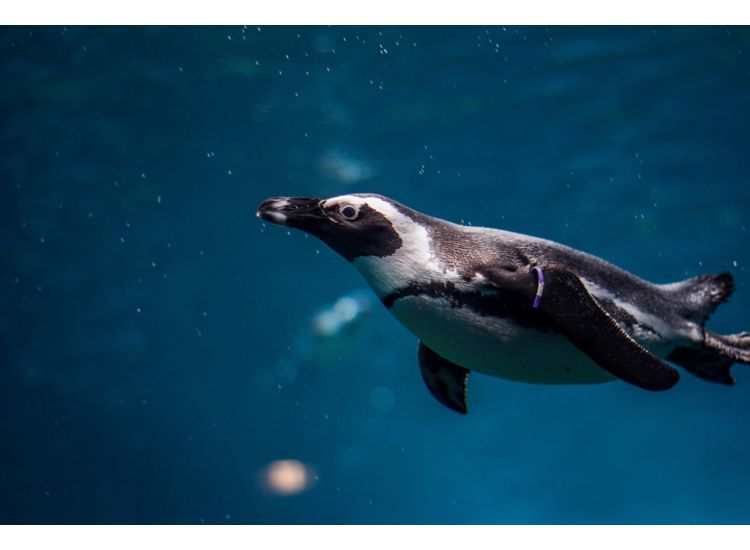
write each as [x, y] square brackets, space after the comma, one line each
[496, 346]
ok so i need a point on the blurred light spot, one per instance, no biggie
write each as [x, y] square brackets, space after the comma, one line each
[344, 168]
[287, 477]
[332, 319]
[382, 399]
[346, 308]
[326, 323]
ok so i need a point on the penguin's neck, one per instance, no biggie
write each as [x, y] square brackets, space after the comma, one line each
[414, 262]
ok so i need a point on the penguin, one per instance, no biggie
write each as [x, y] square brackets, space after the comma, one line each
[518, 307]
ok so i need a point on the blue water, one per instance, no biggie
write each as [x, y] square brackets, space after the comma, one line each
[159, 342]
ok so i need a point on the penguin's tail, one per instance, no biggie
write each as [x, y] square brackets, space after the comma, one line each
[711, 359]
[699, 297]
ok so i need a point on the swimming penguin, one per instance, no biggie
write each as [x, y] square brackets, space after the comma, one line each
[518, 307]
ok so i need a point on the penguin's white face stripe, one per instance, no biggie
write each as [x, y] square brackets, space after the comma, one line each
[414, 261]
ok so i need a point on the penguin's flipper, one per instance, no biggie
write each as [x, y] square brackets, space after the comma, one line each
[445, 380]
[571, 308]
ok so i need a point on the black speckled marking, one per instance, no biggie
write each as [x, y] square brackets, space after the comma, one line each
[501, 304]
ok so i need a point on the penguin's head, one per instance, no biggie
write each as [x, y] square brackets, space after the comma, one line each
[355, 226]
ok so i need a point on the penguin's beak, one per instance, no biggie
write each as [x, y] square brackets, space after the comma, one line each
[301, 213]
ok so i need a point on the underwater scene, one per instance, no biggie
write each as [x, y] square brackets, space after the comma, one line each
[169, 357]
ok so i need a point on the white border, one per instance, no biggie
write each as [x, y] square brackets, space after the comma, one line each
[375, 537]
[380, 12]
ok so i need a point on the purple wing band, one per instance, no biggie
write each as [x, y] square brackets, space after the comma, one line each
[539, 287]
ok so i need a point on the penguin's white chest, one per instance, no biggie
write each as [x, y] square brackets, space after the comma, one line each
[495, 346]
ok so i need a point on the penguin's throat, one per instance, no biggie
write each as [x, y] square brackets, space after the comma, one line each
[403, 269]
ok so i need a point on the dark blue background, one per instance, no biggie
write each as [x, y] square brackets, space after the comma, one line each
[156, 342]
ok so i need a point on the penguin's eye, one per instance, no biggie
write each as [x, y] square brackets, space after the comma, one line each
[349, 212]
